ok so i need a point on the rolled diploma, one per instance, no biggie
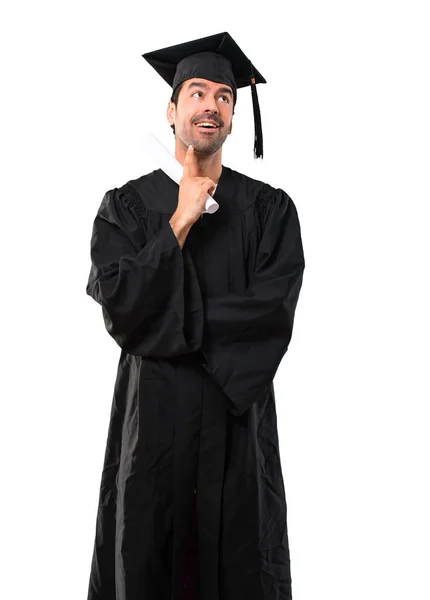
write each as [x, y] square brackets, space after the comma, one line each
[172, 167]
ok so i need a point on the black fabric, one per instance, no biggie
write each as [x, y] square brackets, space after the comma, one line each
[202, 331]
[167, 60]
[206, 65]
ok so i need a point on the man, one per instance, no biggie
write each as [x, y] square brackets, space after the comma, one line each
[192, 502]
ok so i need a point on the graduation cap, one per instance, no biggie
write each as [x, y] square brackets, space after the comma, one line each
[216, 58]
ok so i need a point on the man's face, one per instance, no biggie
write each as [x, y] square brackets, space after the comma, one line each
[202, 101]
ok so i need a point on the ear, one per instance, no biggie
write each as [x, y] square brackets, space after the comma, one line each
[171, 113]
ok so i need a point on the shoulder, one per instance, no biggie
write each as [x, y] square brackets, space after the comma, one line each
[130, 194]
[120, 204]
[152, 191]
[137, 196]
[146, 182]
[259, 193]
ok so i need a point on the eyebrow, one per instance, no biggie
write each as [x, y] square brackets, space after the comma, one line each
[224, 90]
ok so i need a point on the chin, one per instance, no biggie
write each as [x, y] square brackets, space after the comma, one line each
[207, 149]
[199, 149]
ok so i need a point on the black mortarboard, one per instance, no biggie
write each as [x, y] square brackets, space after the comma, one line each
[217, 58]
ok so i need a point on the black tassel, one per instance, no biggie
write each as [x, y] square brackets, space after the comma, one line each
[258, 131]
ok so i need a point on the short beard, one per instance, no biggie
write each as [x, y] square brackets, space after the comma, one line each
[204, 147]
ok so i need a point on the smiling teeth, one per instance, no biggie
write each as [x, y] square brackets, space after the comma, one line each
[204, 124]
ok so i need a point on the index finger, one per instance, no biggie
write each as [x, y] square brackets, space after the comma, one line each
[188, 158]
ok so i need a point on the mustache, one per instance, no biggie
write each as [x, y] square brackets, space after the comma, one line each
[209, 117]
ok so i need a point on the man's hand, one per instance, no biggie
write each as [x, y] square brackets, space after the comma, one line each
[191, 199]
[192, 191]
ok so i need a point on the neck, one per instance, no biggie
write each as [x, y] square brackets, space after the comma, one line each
[204, 165]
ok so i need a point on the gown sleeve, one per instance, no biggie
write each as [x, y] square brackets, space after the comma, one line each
[148, 288]
[246, 335]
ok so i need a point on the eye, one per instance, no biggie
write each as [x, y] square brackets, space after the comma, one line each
[197, 93]
[226, 98]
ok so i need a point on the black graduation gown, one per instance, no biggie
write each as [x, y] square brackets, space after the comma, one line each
[192, 501]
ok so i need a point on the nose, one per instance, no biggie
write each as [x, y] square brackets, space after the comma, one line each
[210, 104]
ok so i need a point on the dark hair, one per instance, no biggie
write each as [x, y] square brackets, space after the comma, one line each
[174, 99]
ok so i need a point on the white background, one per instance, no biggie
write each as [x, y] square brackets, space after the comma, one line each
[346, 133]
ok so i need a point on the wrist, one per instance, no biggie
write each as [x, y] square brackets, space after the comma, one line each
[180, 227]
[179, 221]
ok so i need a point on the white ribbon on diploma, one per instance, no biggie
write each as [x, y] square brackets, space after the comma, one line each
[171, 166]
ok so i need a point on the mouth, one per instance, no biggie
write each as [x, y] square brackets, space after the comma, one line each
[206, 126]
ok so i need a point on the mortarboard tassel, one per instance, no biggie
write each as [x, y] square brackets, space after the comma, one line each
[258, 131]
